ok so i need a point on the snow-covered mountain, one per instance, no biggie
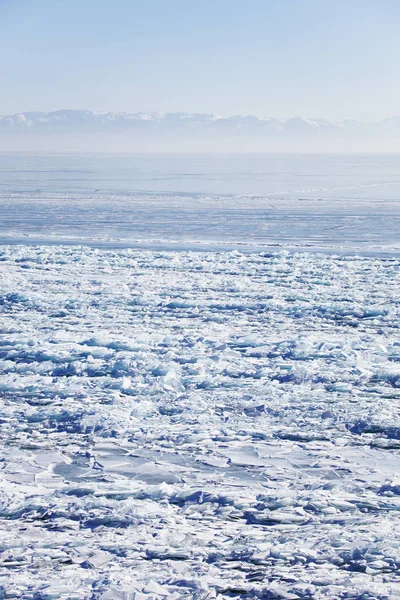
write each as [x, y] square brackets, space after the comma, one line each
[87, 120]
[135, 129]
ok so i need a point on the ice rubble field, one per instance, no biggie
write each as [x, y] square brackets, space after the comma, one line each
[198, 425]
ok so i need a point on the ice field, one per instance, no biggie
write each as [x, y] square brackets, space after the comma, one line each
[185, 424]
[199, 424]
[224, 201]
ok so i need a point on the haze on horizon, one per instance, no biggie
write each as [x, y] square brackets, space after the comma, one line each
[82, 130]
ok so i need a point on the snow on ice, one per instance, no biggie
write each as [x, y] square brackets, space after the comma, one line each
[198, 425]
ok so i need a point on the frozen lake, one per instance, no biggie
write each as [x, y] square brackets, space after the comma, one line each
[198, 425]
[314, 201]
[179, 424]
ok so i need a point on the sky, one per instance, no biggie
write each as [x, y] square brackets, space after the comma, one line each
[333, 59]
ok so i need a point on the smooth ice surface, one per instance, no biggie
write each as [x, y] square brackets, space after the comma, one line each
[198, 425]
[335, 202]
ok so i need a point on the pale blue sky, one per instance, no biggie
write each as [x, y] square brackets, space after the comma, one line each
[318, 58]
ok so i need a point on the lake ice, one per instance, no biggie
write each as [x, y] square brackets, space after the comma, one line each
[179, 424]
[317, 201]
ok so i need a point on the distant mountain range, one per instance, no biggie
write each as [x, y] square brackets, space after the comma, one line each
[136, 129]
[86, 120]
